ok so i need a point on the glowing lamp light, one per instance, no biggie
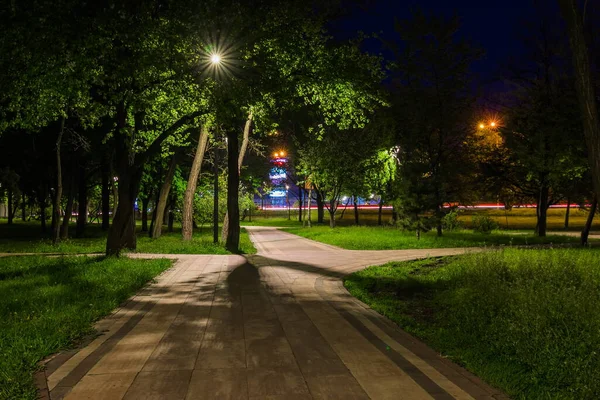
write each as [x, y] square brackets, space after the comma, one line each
[215, 59]
[481, 126]
[493, 124]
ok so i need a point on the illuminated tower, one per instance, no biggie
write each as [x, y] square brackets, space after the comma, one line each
[278, 177]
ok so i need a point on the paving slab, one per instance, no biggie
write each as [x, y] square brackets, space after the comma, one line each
[275, 325]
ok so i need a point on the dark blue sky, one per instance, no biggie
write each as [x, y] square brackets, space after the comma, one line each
[494, 25]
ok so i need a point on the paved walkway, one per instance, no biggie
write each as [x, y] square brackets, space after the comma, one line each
[279, 325]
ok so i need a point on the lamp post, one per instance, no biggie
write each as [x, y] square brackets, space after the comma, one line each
[287, 198]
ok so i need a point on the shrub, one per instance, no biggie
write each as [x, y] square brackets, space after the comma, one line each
[484, 224]
[450, 221]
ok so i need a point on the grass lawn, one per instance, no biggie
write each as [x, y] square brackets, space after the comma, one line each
[387, 238]
[27, 238]
[47, 304]
[524, 320]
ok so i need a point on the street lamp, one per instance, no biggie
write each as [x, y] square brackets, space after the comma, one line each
[215, 59]
[287, 199]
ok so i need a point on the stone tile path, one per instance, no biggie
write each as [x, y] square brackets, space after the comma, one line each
[277, 325]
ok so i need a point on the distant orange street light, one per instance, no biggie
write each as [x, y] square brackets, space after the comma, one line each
[481, 126]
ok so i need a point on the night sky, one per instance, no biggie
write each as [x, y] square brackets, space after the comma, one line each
[496, 26]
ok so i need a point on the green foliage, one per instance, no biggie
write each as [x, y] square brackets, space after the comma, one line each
[50, 303]
[483, 224]
[451, 221]
[525, 321]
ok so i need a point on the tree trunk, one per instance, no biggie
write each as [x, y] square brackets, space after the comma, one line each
[394, 215]
[171, 215]
[64, 229]
[232, 243]
[584, 83]
[309, 207]
[380, 213]
[300, 203]
[115, 191]
[23, 207]
[58, 194]
[331, 218]
[439, 227]
[543, 211]
[105, 195]
[10, 206]
[355, 200]
[43, 207]
[163, 197]
[216, 197]
[187, 227]
[320, 207]
[240, 162]
[121, 234]
[82, 212]
[588, 224]
[567, 214]
[245, 140]
[145, 203]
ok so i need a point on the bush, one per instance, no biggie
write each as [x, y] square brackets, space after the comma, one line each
[484, 224]
[450, 221]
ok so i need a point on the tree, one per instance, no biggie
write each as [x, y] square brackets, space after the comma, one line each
[586, 91]
[433, 108]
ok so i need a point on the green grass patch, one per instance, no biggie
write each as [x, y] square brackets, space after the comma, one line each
[524, 320]
[27, 238]
[387, 238]
[47, 304]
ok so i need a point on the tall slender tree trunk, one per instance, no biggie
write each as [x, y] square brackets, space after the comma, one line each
[216, 197]
[145, 203]
[309, 207]
[187, 226]
[64, 229]
[439, 215]
[82, 204]
[105, 178]
[567, 213]
[23, 207]
[394, 215]
[171, 214]
[300, 203]
[240, 162]
[58, 193]
[543, 211]
[380, 212]
[588, 223]
[43, 217]
[163, 196]
[320, 207]
[355, 200]
[584, 84]
[115, 193]
[10, 206]
[232, 242]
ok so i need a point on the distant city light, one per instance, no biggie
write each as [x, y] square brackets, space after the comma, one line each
[493, 124]
[481, 126]
[215, 59]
